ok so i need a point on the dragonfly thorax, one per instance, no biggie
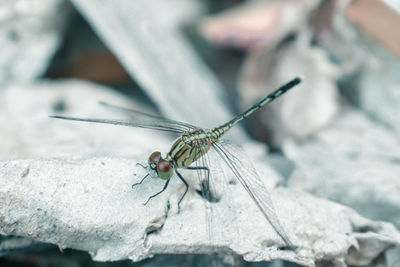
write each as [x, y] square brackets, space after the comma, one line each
[159, 167]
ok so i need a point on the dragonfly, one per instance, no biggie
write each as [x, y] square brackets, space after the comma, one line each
[193, 144]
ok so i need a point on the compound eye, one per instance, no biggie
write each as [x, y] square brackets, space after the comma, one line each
[163, 166]
[155, 157]
[164, 169]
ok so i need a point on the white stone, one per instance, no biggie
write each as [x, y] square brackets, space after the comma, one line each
[30, 33]
[354, 161]
[88, 204]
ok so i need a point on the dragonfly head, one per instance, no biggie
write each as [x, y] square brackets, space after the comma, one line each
[163, 168]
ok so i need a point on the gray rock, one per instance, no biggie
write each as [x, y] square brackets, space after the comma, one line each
[30, 33]
[88, 204]
[355, 161]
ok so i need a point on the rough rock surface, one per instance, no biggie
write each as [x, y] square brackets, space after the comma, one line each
[88, 204]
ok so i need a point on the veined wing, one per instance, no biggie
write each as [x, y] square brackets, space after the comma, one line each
[139, 119]
[159, 125]
[210, 196]
[204, 182]
[137, 114]
[249, 179]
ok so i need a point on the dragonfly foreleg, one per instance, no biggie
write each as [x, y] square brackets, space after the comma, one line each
[165, 187]
[147, 175]
[187, 187]
[141, 165]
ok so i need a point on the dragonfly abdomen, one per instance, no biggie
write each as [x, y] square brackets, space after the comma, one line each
[219, 131]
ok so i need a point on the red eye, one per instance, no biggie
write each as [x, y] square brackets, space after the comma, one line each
[155, 157]
[163, 166]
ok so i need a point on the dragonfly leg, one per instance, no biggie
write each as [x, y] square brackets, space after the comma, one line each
[187, 187]
[135, 184]
[165, 187]
[141, 165]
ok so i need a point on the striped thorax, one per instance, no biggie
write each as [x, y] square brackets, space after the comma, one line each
[190, 147]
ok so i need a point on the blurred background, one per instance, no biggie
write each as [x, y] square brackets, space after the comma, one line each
[336, 136]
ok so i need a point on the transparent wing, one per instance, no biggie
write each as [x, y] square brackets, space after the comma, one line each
[139, 119]
[137, 114]
[159, 125]
[210, 196]
[206, 192]
[248, 177]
